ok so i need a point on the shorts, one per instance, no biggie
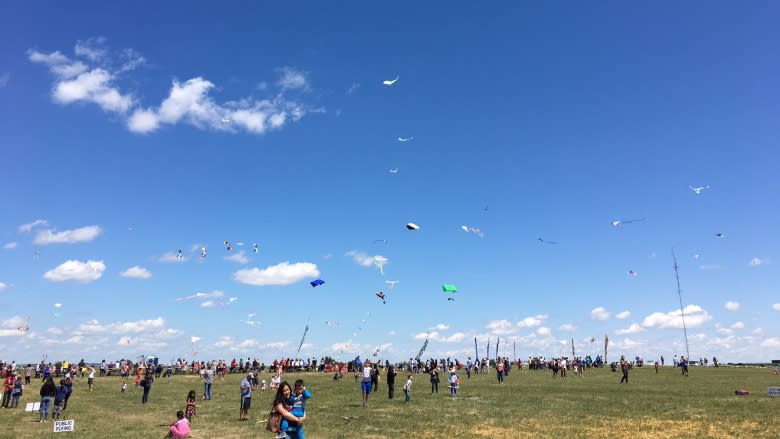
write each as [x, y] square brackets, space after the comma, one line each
[366, 386]
[90, 380]
[246, 403]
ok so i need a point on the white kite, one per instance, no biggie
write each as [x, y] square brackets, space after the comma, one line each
[394, 171]
[251, 321]
[405, 139]
[228, 246]
[180, 254]
[699, 189]
[389, 82]
[412, 226]
[255, 248]
[203, 252]
[391, 283]
[618, 223]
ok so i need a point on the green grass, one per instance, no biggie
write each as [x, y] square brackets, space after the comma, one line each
[529, 404]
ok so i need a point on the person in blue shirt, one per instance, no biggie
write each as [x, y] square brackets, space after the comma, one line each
[59, 400]
[297, 402]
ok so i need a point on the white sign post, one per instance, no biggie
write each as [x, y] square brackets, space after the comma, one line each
[67, 425]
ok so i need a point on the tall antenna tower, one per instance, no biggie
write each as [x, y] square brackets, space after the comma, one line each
[682, 311]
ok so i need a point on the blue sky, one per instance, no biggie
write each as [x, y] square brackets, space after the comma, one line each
[128, 134]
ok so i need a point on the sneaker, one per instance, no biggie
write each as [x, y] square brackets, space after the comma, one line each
[280, 435]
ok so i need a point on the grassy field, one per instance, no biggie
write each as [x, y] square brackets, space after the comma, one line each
[529, 404]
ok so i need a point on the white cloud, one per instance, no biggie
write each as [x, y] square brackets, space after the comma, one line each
[292, 79]
[455, 338]
[365, 260]
[738, 325]
[441, 327]
[24, 228]
[138, 326]
[424, 335]
[732, 306]
[239, 257]
[218, 303]
[600, 314]
[280, 274]
[623, 315]
[501, 327]
[189, 102]
[78, 271]
[136, 272]
[567, 327]
[92, 48]
[632, 329]
[694, 316]
[83, 234]
[9, 245]
[530, 322]
[93, 86]
[4, 78]
[353, 88]
[772, 342]
[776, 307]
[3, 286]
[543, 331]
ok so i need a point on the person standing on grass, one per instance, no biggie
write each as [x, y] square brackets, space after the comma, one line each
[391, 373]
[408, 389]
[48, 392]
[147, 384]
[246, 397]
[500, 371]
[208, 380]
[365, 382]
[91, 377]
[624, 368]
[434, 381]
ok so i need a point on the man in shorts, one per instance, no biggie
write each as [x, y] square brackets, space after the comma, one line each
[246, 397]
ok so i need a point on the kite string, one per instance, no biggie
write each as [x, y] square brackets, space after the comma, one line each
[682, 312]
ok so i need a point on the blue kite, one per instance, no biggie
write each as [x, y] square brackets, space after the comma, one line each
[316, 282]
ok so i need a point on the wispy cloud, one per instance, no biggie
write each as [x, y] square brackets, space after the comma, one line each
[4, 78]
[78, 271]
[3, 286]
[170, 257]
[138, 326]
[623, 315]
[353, 88]
[365, 260]
[776, 307]
[10, 327]
[279, 274]
[83, 234]
[532, 321]
[239, 257]
[25, 228]
[95, 77]
[9, 245]
[731, 306]
[292, 79]
[136, 272]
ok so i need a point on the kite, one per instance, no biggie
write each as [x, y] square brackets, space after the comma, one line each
[255, 248]
[412, 226]
[633, 273]
[618, 223]
[381, 295]
[316, 282]
[450, 299]
[394, 171]
[699, 189]
[422, 349]
[449, 288]
[405, 139]
[379, 262]
[391, 283]
[720, 235]
[473, 230]
[36, 254]
[378, 241]
[389, 82]
[203, 252]
[180, 254]
[228, 246]
[225, 120]
[25, 327]
[303, 338]
[194, 340]
[57, 313]
[376, 352]
[756, 261]
[331, 323]
[546, 242]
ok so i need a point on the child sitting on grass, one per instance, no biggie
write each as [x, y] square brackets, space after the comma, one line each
[180, 428]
